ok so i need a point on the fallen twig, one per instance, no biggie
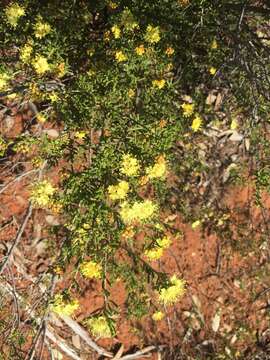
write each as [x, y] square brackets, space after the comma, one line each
[140, 353]
[49, 332]
[17, 179]
[17, 239]
[83, 334]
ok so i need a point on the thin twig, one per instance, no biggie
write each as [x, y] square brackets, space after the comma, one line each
[83, 334]
[140, 353]
[49, 331]
[17, 179]
[42, 327]
[17, 239]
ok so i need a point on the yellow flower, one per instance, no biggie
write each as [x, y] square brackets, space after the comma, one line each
[188, 109]
[61, 307]
[174, 292]
[41, 65]
[91, 270]
[164, 243]
[116, 32]
[41, 29]
[159, 83]
[53, 97]
[99, 327]
[131, 93]
[169, 51]
[120, 56]
[158, 315]
[139, 211]
[129, 165]
[152, 34]
[214, 44]
[41, 193]
[140, 50]
[195, 224]
[119, 191]
[13, 13]
[25, 53]
[12, 96]
[234, 124]
[154, 254]
[113, 5]
[157, 251]
[212, 70]
[80, 134]
[158, 170]
[41, 118]
[196, 123]
[4, 78]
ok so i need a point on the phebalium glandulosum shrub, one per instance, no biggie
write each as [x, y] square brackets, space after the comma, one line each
[126, 80]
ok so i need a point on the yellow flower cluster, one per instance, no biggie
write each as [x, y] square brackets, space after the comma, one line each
[41, 118]
[13, 13]
[99, 327]
[188, 109]
[174, 292]
[139, 211]
[61, 307]
[41, 29]
[196, 123]
[154, 254]
[159, 83]
[129, 165]
[158, 315]
[91, 270]
[119, 191]
[113, 5]
[131, 93]
[120, 56]
[40, 64]
[165, 242]
[157, 251]
[80, 135]
[152, 34]
[41, 193]
[4, 78]
[158, 170]
[25, 53]
[195, 224]
[140, 50]
[116, 32]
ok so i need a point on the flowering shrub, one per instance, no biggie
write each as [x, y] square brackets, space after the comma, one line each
[127, 82]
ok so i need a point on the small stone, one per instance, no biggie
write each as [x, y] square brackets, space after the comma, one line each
[51, 133]
[52, 220]
[236, 136]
